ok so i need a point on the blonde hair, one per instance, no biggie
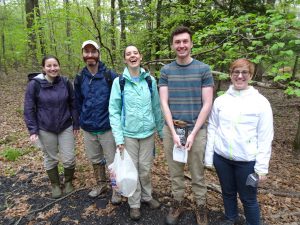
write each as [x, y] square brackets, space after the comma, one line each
[242, 62]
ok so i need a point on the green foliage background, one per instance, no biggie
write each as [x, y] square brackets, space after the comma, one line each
[266, 33]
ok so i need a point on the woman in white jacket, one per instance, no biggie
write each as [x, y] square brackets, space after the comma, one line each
[240, 134]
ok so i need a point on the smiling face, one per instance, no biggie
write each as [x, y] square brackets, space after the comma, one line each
[90, 55]
[51, 67]
[240, 77]
[241, 72]
[132, 57]
[182, 45]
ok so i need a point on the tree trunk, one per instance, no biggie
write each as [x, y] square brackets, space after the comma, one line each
[297, 138]
[158, 26]
[295, 67]
[3, 58]
[97, 6]
[68, 33]
[123, 23]
[2, 55]
[30, 12]
[40, 28]
[112, 27]
[258, 72]
[51, 27]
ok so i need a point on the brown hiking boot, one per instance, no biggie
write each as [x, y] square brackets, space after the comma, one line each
[174, 213]
[100, 176]
[135, 213]
[201, 215]
[97, 190]
[116, 198]
[153, 204]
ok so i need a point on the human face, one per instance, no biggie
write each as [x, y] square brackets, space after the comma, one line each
[132, 57]
[240, 76]
[182, 45]
[90, 55]
[51, 68]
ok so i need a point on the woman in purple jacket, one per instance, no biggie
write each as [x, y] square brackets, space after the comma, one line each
[52, 121]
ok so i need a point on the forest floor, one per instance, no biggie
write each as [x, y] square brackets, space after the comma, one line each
[25, 192]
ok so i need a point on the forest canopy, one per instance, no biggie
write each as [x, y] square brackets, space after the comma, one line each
[267, 32]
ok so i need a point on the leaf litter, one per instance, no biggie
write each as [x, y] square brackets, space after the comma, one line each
[25, 189]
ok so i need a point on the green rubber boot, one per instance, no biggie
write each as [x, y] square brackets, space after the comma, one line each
[69, 174]
[55, 184]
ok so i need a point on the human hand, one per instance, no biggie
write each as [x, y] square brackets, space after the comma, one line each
[76, 133]
[176, 140]
[121, 147]
[262, 177]
[33, 138]
[189, 141]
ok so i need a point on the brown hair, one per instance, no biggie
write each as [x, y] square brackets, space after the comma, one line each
[45, 58]
[242, 62]
[124, 52]
[180, 30]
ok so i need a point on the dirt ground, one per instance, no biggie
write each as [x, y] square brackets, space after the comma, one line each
[25, 193]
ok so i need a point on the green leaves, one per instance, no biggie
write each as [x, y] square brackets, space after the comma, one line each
[283, 77]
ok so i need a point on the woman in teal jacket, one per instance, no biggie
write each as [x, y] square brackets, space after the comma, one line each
[135, 115]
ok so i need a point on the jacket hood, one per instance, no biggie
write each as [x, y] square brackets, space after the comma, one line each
[143, 73]
[250, 91]
[101, 68]
[40, 78]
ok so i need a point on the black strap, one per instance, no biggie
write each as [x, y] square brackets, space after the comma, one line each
[107, 75]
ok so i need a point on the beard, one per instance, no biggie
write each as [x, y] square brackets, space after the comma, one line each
[91, 61]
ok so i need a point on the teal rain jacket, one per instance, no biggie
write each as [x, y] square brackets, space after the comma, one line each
[141, 115]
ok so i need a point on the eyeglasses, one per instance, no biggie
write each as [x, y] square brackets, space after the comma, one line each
[236, 73]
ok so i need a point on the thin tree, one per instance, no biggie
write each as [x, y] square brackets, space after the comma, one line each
[2, 56]
[68, 33]
[51, 26]
[123, 23]
[30, 6]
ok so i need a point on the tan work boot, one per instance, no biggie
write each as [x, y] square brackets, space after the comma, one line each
[153, 204]
[100, 176]
[201, 215]
[174, 213]
[55, 183]
[135, 213]
[116, 197]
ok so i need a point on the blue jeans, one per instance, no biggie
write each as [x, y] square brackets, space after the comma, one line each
[232, 176]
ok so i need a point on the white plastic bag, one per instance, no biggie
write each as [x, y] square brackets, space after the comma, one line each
[123, 174]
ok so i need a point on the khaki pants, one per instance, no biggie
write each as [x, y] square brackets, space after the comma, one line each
[99, 146]
[58, 146]
[195, 165]
[141, 153]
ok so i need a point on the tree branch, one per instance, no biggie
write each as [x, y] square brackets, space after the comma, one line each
[99, 38]
[51, 203]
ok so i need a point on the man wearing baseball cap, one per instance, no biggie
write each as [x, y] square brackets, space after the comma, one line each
[92, 92]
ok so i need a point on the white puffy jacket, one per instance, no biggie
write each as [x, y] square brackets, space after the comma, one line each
[241, 128]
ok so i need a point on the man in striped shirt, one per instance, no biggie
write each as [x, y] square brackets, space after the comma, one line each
[186, 94]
